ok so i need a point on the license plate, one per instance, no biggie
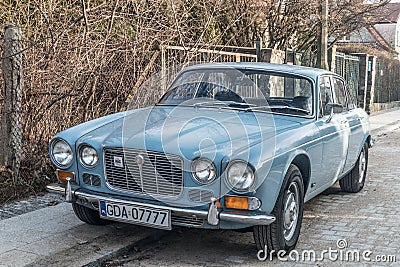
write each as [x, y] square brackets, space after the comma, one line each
[135, 214]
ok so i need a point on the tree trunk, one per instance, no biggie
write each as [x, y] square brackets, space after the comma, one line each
[11, 129]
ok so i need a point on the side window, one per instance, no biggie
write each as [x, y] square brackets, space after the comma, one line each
[340, 93]
[350, 99]
[351, 104]
[325, 90]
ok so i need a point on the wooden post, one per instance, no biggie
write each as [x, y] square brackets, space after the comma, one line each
[322, 55]
[163, 69]
[370, 92]
[258, 46]
[332, 58]
[11, 129]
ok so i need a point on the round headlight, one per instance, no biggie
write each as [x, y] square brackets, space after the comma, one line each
[240, 175]
[88, 156]
[62, 153]
[203, 170]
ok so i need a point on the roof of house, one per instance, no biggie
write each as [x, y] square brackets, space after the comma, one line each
[380, 41]
[388, 13]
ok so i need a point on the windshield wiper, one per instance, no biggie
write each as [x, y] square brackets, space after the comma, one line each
[224, 103]
[280, 107]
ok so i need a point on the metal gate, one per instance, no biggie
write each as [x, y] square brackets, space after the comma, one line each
[348, 66]
[174, 58]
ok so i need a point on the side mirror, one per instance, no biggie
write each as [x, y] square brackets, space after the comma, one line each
[334, 108]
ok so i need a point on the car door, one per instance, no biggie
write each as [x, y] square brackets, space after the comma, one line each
[334, 132]
[354, 120]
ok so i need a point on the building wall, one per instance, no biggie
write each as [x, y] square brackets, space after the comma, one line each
[397, 39]
[388, 32]
[360, 36]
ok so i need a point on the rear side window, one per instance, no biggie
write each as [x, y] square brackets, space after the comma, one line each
[325, 90]
[340, 92]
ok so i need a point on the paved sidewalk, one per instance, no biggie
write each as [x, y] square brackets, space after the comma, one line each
[49, 236]
[385, 121]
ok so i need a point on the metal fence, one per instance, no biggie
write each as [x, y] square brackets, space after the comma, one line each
[348, 66]
[174, 58]
[387, 81]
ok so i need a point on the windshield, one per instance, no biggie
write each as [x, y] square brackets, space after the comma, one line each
[252, 90]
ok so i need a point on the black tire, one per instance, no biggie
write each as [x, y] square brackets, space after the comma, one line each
[274, 237]
[87, 215]
[354, 181]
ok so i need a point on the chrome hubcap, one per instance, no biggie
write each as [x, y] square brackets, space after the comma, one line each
[361, 166]
[290, 211]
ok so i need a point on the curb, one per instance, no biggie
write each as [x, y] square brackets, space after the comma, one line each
[385, 129]
[138, 247]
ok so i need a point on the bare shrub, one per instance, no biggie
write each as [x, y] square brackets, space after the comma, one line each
[83, 59]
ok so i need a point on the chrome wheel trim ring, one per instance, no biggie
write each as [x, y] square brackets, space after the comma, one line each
[361, 166]
[291, 211]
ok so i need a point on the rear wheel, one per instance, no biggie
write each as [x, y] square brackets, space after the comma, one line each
[354, 181]
[284, 232]
[87, 215]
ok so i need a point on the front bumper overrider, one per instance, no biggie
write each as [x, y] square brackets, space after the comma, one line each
[213, 215]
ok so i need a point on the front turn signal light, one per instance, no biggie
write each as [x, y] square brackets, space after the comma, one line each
[242, 202]
[63, 175]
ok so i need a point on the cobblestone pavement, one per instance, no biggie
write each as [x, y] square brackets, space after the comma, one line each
[359, 223]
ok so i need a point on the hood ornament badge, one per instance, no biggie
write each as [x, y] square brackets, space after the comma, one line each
[139, 159]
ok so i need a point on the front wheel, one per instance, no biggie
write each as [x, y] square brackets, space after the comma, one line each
[284, 232]
[354, 181]
[88, 215]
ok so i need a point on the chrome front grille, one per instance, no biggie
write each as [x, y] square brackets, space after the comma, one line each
[197, 195]
[146, 172]
[186, 221]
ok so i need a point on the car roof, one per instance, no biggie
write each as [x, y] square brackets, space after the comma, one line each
[283, 68]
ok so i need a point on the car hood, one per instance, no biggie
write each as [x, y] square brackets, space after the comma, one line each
[188, 131]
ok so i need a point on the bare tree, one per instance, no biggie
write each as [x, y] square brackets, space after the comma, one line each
[84, 58]
[295, 23]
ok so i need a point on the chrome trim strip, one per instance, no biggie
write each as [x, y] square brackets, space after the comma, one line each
[258, 219]
[56, 189]
[244, 217]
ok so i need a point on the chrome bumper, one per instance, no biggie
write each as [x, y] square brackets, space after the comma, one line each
[213, 215]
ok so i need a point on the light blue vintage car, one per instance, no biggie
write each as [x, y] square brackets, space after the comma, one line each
[228, 146]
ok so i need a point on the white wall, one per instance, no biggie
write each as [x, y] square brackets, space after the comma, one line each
[397, 39]
[388, 31]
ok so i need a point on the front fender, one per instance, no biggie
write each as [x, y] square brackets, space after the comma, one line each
[269, 189]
